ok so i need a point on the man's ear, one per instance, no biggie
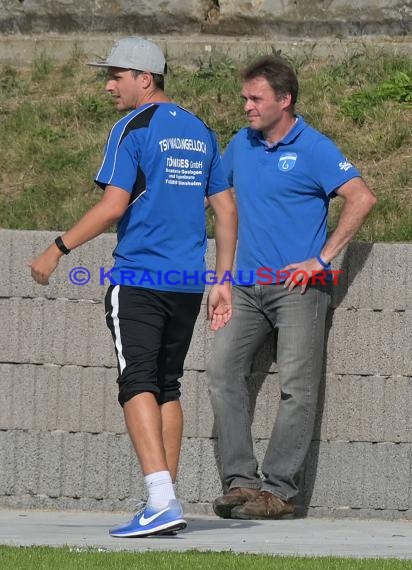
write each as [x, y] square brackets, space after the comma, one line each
[286, 100]
[147, 79]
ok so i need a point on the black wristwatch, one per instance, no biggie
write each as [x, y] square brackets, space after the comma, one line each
[59, 242]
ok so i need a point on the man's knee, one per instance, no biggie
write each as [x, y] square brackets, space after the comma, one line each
[132, 382]
[216, 367]
[126, 392]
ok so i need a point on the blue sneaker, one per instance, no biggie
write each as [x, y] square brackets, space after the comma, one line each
[149, 521]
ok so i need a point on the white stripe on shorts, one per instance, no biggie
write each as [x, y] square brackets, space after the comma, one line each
[116, 325]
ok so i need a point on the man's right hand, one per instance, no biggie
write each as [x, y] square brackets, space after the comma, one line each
[219, 306]
[44, 265]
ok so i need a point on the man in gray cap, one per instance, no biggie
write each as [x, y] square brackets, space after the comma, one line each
[160, 164]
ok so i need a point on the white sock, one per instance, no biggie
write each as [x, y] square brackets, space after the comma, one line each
[160, 488]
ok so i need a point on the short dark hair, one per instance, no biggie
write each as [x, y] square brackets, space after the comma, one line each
[158, 79]
[277, 72]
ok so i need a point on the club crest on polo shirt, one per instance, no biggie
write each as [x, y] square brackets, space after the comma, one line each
[287, 161]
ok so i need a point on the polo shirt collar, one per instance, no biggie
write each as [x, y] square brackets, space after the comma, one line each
[297, 128]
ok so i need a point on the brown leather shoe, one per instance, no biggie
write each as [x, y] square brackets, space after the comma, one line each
[234, 497]
[264, 506]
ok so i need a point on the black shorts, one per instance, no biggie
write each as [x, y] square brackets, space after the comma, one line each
[151, 331]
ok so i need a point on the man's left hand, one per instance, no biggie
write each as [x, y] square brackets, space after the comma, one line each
[301, 273]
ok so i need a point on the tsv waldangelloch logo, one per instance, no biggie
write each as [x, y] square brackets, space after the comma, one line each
[287, 161]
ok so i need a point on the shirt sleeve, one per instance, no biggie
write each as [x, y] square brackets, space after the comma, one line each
[216, 181]
[120, 162]
[330, 166]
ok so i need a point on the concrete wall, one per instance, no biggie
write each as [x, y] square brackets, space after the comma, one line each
[298, 18]
[191, 50]
[62, 437]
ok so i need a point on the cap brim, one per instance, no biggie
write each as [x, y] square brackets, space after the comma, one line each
[98, 64]
[105, 64]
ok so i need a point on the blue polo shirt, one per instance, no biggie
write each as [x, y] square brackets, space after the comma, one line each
[282, 195]
[168, 160]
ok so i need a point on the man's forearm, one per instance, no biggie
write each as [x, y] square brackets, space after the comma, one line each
[93, 223]
[225, 211]
[99, 218]
[225, 239]
[354, 213]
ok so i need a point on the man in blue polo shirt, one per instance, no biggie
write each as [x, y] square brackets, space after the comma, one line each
[284, 173]
[160, 164]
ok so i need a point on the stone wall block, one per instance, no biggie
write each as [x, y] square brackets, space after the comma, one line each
[7, 462]
[113, 414]
[360, 272]
[204, 410]
[57, 313]
[96, 465]
[92, 404]
[370, 342]
[195, 359]
[27, 463]
[24, 397]
[369, 408]
[30, 325]
[339, 290]
[390, 269]
[408, 264]
[69, 399]
[6, 285]
[24, 247]
[210, 486]
[119, 454]
[387, 476]
[80, 344]
[315, 19]
[344, 407]
[320, 476]
[73, 453]
[9, 335]
[190, 403]
[47, 378]
[397, 409]
[190, 468]
[50, 463]
[122, 17]
[7, 381]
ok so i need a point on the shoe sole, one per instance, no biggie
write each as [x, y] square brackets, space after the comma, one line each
[172, 531]
[241, 516]
[224, 511]
[168, 528]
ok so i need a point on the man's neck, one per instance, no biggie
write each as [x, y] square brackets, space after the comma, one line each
[155, 96]
[280, 130]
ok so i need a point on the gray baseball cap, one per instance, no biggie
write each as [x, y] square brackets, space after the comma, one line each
[135, 53]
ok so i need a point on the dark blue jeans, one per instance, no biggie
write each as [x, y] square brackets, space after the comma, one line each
[300, 321]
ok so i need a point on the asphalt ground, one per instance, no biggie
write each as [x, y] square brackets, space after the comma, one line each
[302, 537]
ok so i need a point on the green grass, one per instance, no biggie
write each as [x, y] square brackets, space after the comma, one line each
[42, 558]
[55, 119]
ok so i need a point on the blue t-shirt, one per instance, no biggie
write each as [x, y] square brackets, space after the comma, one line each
[282, 195]
[168, 160]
